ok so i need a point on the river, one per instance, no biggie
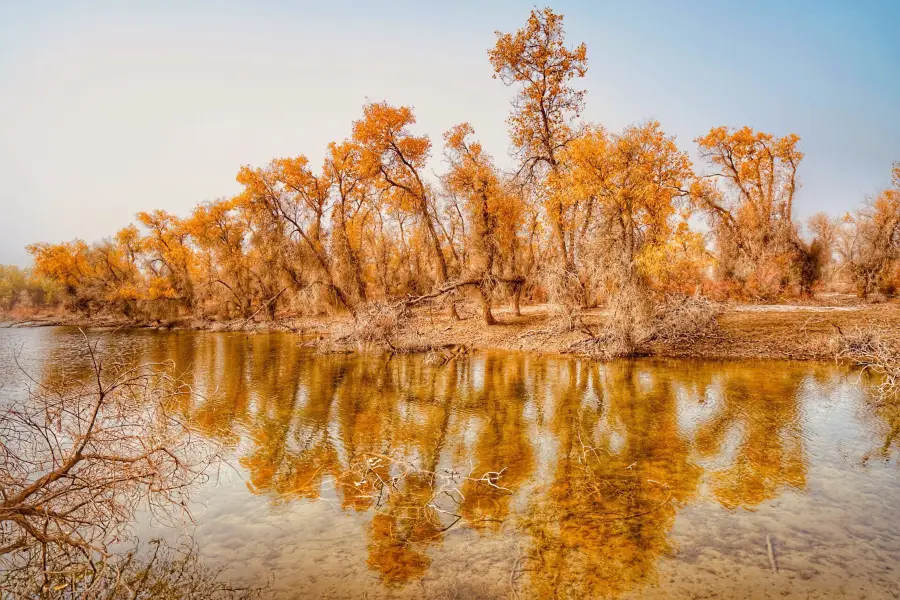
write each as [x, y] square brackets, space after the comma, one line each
[505, 475]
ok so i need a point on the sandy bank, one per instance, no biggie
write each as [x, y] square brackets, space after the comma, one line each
[748, 331]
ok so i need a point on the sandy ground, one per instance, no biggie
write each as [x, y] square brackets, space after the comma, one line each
[773, 331]
[766, 331]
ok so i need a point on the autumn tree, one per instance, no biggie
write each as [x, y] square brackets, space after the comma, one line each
[323, 212]
[220, 232]
[67, 265]
[638, 181]
[296, 201]
[350, 214]
[825, 230]
[23, 287]
[543, 124]
[117, 281]
[169, 257]
[395, 157]
[870, 244]
[492, 211]
[751, 212]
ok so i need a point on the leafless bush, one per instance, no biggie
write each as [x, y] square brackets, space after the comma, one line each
[565, 292]
[375, 324]
[866, 349]
[78, 458]
[683, 319]
[634, 323]
[379, 323]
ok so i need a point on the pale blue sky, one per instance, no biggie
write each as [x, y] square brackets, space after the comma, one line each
[108, 108]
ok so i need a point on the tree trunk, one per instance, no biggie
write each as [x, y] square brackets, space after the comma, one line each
[516, 299]
[486, 307]
[443, 273]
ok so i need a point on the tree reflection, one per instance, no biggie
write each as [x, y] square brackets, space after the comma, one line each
[758, 411]
[622, 469]
[291, 448]
[583, 465]
[412, 509]
[502, 443]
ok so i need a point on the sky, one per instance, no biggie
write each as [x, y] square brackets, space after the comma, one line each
[108, 108]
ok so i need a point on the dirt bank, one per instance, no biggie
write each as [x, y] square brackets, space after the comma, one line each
[748, 331]
[802, 333]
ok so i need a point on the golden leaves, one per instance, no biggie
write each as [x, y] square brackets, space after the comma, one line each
[537, 59]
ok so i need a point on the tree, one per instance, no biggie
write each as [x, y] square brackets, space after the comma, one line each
[79, 458]
[492, 212]
[870, 244]
[825, 230]
[638, 181]
[349, 213]
[752, 217]
[219, 231]
[67, 265]
[542, 123]
[23, 287]
[297, 200]
[395, 158]
[169, 257]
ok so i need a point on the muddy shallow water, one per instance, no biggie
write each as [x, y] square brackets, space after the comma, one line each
[503, 475]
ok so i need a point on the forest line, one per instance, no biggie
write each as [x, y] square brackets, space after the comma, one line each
[588, 217]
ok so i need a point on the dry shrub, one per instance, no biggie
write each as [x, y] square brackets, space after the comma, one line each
[880, 358]
[876, 355]
[635, 323]
[565, 292]
[683, 319]
[378, 323]
[80, 456]
[630, 319]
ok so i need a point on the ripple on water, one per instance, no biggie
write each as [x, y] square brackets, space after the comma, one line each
[650, 478]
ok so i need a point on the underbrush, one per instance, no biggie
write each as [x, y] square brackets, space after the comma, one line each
[875, 354]
[632, 327]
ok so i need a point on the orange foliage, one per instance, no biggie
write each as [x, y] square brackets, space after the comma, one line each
[588, 216]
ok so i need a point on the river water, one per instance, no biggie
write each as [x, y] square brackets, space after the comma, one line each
[504, 475]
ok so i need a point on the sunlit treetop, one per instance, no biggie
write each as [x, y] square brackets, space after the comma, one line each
[386, 139]
[639, 175]
[536, 59]
[65, 263]
[471, 169]
[393, 155]
[760, 166]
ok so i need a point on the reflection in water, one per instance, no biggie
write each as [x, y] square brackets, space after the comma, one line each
[770, 451]
[621, 470]
[585, 467]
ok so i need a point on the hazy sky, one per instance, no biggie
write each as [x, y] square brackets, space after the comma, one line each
[108, 108]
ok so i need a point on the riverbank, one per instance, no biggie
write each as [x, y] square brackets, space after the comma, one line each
[794, 332]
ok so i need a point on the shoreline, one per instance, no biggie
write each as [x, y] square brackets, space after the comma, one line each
[780, 332]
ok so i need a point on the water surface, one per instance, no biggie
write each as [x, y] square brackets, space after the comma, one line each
[502, 475]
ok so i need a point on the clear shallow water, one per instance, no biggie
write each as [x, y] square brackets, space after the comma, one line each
[639, 479]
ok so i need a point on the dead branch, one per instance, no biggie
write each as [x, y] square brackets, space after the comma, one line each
[78, 458]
